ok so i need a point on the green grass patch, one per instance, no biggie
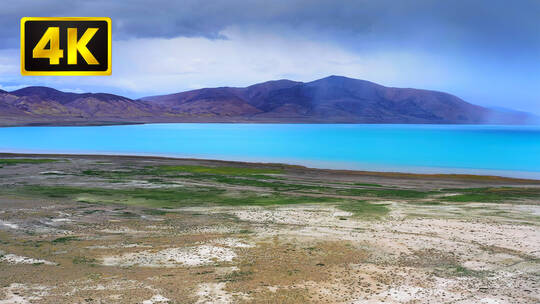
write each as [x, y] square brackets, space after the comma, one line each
[17, 161]
[245, 181]
[466, 272]
[171, 197]
[251, 177]
[386, 193]
[235, 276]
[492, 194]
[84, 260]
[114, 174]
[225, 175]
[367, 185]
[230, 175]
[64, 239]
[217, 170]
[245, 231]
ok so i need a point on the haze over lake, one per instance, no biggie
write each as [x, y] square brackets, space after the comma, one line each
[480, 149]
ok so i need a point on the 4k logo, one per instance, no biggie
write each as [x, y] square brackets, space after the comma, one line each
[65, 46]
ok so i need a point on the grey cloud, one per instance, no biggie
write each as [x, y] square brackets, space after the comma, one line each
[489, 24]
[489, 49]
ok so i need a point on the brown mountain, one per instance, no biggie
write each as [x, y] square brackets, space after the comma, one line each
[221, 102]
[333, 99]
[43, 105]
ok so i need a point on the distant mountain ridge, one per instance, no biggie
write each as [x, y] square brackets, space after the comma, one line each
[334, 99]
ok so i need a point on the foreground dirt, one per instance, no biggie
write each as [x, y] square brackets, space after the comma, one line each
[423, 250]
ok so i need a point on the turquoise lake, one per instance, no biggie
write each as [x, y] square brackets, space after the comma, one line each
[494, 150]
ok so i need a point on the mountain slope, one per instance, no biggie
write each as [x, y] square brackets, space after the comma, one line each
[333, 99]
[218, 102]
[205, 102]
[346, 99]
[336, 99]
[43, 105]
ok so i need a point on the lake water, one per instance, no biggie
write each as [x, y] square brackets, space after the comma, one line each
[496, 150]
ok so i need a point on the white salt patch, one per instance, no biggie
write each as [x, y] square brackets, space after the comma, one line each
[528, 209]
[213, 293]
[342, 213]
[61, 220]
[405, 293]
[52, 172]
[296, 215]
[489, 301]
[12, 298]
[115, 297]
[448, 194]
[152, 218]
[116, 285]
[226, 270]
[156, 227]
[232, 242]
[17, 259]
[156, 299]
[9, 225]
[272, 288]
[33, 293]
[117, 246]
[122, 230]
[217, 229]
[172, 257]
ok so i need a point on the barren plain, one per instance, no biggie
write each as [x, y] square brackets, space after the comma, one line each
[119, 229]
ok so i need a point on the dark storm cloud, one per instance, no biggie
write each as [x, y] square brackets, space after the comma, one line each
[500, 26]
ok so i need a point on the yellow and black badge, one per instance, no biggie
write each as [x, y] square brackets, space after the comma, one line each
[66, 46]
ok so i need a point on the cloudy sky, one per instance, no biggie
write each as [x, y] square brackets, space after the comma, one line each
[486, 52]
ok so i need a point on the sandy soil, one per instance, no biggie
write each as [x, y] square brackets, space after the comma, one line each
[423, 250]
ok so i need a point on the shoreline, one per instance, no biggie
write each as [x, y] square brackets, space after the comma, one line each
[104, 123]
[295, 167]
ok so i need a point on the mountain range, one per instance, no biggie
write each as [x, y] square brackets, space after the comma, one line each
[334, 99]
